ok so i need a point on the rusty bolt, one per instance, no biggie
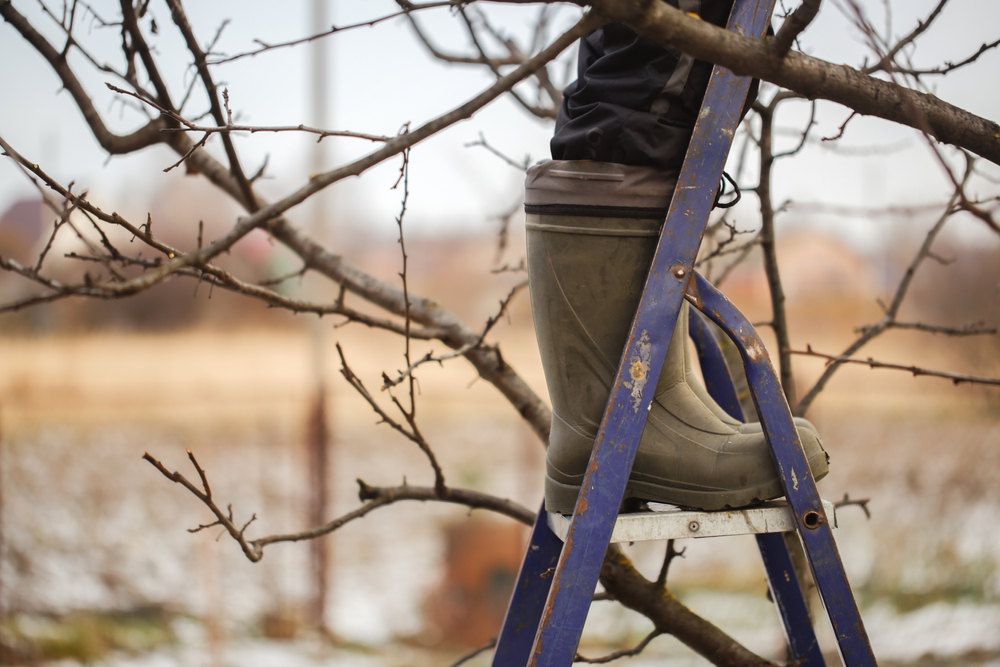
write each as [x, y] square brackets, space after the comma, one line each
[679, 272]
[812, 519]
[694, 526]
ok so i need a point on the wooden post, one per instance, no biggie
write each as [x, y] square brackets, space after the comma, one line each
[318, 438]
[318, 431]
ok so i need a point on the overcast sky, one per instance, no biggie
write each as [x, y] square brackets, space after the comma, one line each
[382, 78]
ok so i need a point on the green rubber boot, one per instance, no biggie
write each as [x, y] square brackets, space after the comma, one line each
[735, 362]
[586, 275]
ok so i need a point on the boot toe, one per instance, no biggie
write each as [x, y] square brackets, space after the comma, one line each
[816, 455]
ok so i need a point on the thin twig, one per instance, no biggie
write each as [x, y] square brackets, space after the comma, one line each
[793, 27]
[969, 329]
[891, 312]
[388, 383]
[523, 166]
[744, 252]
[413, 433]
[668, 558]
[373, 498]
[847, 501]
[251, 550]
[922, 26]
[264, 46]
[624, 653]
[840, 131]
[166, 112]
[805, 134]
[469, 656]
[253, 129]
[956, 378]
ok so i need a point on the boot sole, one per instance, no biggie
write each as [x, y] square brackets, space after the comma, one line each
[561, 497]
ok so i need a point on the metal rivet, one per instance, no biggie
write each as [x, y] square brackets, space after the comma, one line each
[679, 272]
[694, 526]
[812, 519]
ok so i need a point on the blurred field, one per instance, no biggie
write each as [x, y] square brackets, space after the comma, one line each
[90, 527]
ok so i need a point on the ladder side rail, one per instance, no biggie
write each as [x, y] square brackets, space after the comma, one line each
[800, 489]
[528, 598]
[578, 570]
[788, 597]
[781, 576]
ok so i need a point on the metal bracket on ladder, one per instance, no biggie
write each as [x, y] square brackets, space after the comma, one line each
[558, 576]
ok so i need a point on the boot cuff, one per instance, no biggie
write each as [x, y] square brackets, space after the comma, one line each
[598, 189]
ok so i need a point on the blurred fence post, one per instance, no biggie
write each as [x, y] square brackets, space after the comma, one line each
[318, 432]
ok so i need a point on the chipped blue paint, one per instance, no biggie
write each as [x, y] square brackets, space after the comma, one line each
[639, 363]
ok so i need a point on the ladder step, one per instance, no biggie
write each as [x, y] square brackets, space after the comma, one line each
[666, 522]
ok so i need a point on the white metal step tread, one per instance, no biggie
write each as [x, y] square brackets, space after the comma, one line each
[667, 522]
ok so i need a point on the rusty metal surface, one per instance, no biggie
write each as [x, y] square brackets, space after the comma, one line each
[812, 523]
[787, 593]
[525, 608]
[781, 575]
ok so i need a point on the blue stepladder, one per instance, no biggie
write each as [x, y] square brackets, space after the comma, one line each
[559, 574]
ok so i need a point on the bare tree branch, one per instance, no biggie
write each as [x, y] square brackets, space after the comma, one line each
[949, 67]
[766, 239]
[956, 378]
[523, 166]
[472, 654]
[201, 64]
[462, 351]
[811, 77]
[969, 329]
[847, 501]
[114, 144]
[889, 58]
[223, 519]
[396, 146]
[620, 578]
[668, 558]
[413, 434]
[372, 497]
[618, 575]
[805, 134]
[793, 27]
[481, 59]
[253, 129]
[624, 653]
[264, 46]
[869, 333]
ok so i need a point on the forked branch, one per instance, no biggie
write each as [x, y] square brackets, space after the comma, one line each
[373, 497]
[204, 494]
[793, 27]
[412, 433]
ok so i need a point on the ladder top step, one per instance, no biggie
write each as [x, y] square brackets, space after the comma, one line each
[667, 522]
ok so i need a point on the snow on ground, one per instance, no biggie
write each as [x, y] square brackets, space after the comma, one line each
[88, 525]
